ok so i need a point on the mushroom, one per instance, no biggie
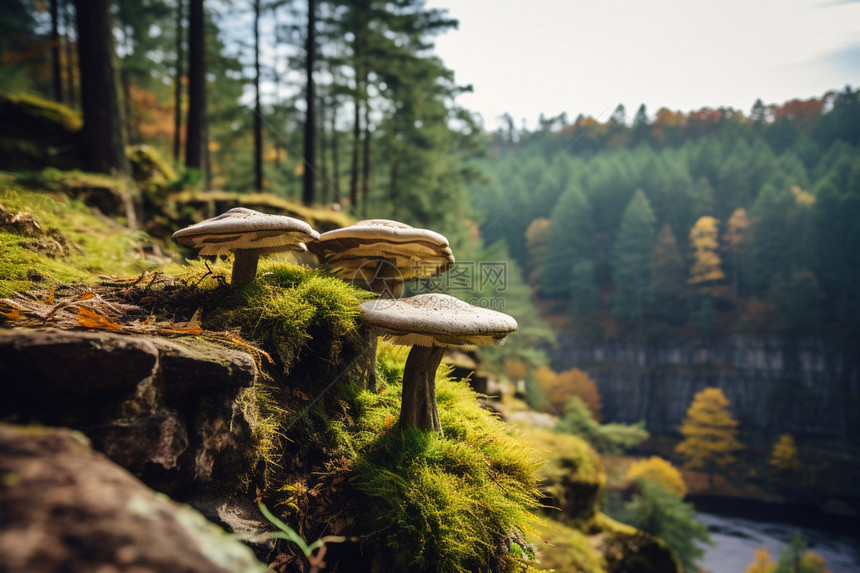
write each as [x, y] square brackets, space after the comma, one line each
[383, 254]
[430, 323]
[248, 234]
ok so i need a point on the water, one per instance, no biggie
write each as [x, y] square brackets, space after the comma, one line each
[740, 528]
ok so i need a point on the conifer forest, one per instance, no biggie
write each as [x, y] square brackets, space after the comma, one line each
[678, 294]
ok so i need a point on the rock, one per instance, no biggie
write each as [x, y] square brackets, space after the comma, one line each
[163, 409]
[62, 362]
[67, 508]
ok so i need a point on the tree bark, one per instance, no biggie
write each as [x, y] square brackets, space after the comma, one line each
[195, 128]
[70, 57]
[356, 146]
[323, 140]
[56, 71]
[258, 111]
[365, 162]
[418, 407]
[310, 118]
[335, 154]
[100, 98]
[177, 87]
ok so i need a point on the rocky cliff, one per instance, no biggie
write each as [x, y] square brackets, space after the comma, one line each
[808, 389]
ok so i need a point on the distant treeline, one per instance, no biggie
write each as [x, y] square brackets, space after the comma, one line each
[700, 222]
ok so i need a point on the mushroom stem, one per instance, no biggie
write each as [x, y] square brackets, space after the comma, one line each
[418, 405]
[244, 267]
[387, 280]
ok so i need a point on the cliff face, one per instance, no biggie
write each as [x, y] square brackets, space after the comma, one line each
[774, 386]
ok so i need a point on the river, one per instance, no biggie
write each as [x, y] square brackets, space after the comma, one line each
[738, 528]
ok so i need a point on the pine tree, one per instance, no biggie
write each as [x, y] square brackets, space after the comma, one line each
[632, 257]
[734, 238]
[584, 292]
[668, 286]
[709, 433]
[568, 243]
[784, 455]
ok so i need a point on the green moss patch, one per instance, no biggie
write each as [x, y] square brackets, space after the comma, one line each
[454, 502]
[75, 244]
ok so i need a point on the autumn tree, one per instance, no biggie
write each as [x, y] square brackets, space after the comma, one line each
[658, 470]
[709, 433]
[762, 562]
[575, 382]
[704, 242]
[632, 256]
[784, 456]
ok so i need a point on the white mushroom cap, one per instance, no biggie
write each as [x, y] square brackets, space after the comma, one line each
[246, 229]
[417, 253]
[436, 320]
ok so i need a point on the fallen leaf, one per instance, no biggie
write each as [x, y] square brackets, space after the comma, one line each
[88, 318]
[87, 295]
[13, 314]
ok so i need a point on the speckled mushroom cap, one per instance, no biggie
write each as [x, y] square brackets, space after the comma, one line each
[436, 320]
[417, 253]
[246, 229]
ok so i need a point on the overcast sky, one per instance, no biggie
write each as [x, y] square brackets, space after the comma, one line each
[525, 57]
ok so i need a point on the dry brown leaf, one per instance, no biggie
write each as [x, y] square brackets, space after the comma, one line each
[88, 318]
[86, 296]
[13, 314]
[190, 327]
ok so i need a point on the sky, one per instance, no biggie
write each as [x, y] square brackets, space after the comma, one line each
[527, 57]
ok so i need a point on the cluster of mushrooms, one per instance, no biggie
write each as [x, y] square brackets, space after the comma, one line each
[379, 255]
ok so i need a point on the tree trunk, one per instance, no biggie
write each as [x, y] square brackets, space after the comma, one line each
[356, 146]
[365, 163]
[418, 407]
[258, 111]
[195, 128]
[326, 180]
[100, 99]
[335, 155]
[71, 98]
[310, 118]
[56, 71]
[177, 87]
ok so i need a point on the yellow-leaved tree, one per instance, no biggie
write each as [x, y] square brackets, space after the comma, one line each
[706, 262]
[575, 382]
[658, 470]
[784, 456]
[709, 433]
[762, 563]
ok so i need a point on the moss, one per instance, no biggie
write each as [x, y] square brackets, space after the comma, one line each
[76, 245]
[452, 502]
[284, 306]
[573, 476]
[565, 548]
[32, 118]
